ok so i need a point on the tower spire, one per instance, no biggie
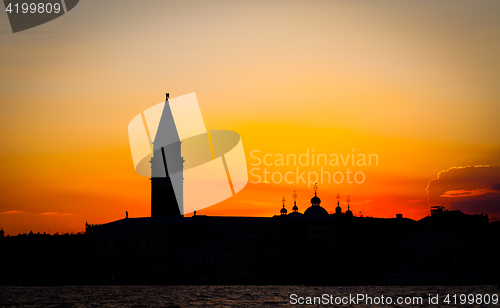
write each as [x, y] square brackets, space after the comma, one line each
[166, 167]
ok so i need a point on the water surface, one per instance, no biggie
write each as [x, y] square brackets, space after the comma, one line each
[216, 296]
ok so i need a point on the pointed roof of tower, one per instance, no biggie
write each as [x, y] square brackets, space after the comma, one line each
[167, 131]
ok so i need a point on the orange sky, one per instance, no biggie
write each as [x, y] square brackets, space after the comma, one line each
[415, 83]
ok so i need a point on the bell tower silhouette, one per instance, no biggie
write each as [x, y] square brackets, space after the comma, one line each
[166, 168]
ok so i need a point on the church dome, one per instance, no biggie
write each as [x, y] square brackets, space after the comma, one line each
[295, 209]
[283, 211]
[315, 200]
[316, 211]
[348, 212]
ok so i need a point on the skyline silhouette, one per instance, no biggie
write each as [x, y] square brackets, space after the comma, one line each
[304, 246]
[412, 82]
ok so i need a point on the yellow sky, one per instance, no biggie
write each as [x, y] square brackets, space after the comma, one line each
[417, 83]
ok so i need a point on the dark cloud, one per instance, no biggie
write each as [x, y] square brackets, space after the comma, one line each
[491, 207]
[474, 188]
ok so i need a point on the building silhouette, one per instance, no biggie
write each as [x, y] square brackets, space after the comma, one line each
[446, 247]
[321, 248]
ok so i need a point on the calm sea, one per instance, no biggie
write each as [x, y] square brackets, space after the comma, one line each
[219, 296]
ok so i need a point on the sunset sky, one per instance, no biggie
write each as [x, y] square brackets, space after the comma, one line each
[415, 82]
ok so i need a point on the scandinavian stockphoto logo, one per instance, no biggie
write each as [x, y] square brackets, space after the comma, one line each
[26, 14]
[202, 167]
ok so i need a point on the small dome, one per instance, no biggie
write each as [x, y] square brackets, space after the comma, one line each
[348, 212]
[316, 210]
[283, 211]
[295, 208]
[315, 199]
